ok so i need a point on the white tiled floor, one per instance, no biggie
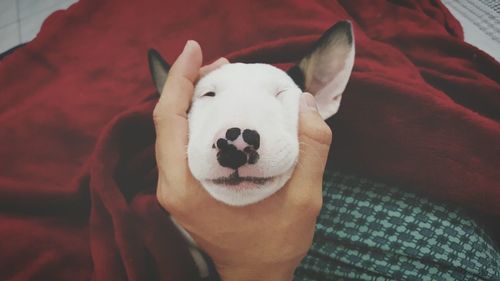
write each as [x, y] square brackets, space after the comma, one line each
[20, 20]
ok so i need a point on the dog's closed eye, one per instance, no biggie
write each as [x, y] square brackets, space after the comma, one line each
[280, 92]
[208, 94]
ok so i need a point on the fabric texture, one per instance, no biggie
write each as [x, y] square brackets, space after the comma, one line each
[480, 20]
[77, 167]
[370, 231]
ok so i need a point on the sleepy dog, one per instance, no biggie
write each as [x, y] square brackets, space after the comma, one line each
[243, 135]
[243, 120]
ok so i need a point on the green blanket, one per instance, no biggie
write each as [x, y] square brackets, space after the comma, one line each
[369, 231]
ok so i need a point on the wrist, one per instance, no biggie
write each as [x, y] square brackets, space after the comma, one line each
[258, 273]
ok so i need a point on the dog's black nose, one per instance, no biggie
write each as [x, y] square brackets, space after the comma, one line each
[252, 138]
[233, 133]
[235, 152]
[231, 157]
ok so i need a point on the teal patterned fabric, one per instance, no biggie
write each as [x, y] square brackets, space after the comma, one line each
[369, 231]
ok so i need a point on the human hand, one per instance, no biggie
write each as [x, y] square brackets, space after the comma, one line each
[262, 241]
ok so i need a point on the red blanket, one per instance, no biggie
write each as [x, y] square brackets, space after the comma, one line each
[77, 171]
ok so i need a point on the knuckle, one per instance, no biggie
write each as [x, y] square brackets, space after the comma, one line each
[166, 122]
[319, 132]
[165, 197]
[324, 133]
[308, 203]
[316, 205]
[157, 114]
[172, 195]
[181, 81]
[162, 199]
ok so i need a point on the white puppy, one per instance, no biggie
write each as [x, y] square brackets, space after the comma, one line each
[243, 137]
[243, 120]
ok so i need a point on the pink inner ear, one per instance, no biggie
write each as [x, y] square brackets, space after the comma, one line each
[326, 71]
[329, 79]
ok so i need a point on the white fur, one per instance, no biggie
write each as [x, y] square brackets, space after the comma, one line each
[245, 98]
[263, 98]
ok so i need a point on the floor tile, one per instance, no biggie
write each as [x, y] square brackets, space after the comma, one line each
[28, 8]
[66, 4]
[10, 36]
[8, 12]
[31, 25]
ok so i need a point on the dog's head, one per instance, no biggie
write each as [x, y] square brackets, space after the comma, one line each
[243, 120]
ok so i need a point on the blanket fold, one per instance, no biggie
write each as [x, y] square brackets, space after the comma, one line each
[77, 168]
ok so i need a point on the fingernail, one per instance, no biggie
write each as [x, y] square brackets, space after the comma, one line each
[307, 102]
[189, 45]
[221, 60]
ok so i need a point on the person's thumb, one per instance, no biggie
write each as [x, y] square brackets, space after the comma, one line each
[315, 138]
[170, 113]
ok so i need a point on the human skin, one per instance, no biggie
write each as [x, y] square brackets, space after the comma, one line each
[262, 241]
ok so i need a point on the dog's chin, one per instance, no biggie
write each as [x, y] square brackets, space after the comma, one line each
[246, 190]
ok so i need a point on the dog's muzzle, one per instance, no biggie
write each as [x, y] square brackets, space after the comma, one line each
[237, 147]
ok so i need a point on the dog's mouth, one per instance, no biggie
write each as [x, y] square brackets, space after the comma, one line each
[235, 179]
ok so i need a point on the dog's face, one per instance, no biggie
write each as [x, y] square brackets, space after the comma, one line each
[243, 133]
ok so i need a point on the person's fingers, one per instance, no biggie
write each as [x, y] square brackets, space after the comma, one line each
[214, 65]
[315, 138]
[178, 88]
[170, 113]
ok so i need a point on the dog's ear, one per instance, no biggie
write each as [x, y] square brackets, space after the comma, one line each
[325, 70]
[159, 69]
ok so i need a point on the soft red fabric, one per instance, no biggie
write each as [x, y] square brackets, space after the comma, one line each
[77, 169]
